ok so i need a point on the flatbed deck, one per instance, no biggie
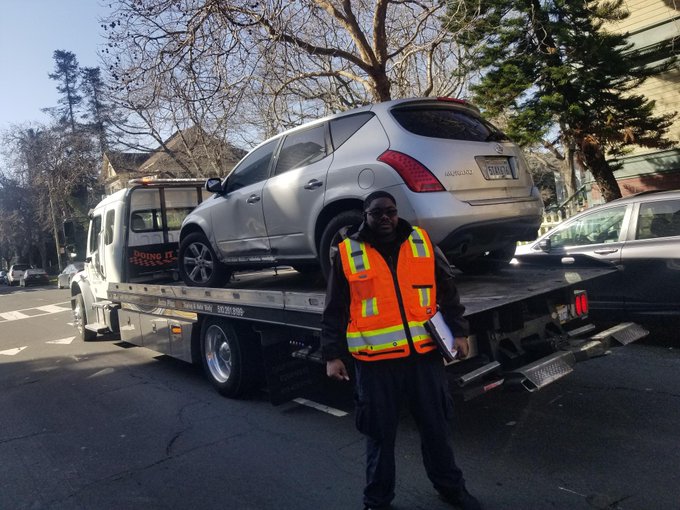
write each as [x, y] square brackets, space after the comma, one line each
[285, 296]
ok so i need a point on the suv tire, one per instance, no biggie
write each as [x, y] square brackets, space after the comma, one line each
[333, 234]
[198, 263]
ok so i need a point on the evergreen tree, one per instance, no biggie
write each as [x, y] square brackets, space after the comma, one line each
[550, 67]
[98, 111]
[66, 73]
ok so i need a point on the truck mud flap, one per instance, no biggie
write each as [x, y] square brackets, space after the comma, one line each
[540, 373]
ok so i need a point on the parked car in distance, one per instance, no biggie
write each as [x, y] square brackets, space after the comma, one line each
[15, 273]
[65, 277]
[641, 235]
[34, 276]
[3, 277]
[450, 171]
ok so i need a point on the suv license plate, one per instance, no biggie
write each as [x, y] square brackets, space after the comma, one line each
[498, 168]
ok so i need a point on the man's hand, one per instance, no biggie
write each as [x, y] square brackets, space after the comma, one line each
[335, 369]
[462, 345]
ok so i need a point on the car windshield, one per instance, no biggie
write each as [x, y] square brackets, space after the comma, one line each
[20, 267]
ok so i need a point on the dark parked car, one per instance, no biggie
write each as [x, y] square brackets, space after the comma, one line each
[65, 277]
[640, 234]
[34, 276]
[3, 277]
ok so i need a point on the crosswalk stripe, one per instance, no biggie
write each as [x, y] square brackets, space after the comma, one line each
[53, 309]
[13, 316]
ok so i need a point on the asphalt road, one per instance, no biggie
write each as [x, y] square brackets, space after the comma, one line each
[101, 425]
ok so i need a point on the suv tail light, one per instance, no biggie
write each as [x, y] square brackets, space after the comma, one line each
[416, 176]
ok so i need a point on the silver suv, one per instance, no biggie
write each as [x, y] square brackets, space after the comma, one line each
[451, 172]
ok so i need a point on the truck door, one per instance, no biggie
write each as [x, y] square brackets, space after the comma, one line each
[95, 261]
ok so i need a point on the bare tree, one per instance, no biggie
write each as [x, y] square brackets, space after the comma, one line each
[243, 68]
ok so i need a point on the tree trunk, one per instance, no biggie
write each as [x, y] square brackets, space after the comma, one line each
[593, 156]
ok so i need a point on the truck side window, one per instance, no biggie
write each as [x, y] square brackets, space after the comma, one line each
[108, 226]
[95, 229]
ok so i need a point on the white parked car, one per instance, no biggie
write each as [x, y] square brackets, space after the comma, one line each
[15, 273]
[65, 277]
[450, 170]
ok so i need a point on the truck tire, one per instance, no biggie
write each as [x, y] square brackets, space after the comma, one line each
[230, 357]
[80, 320]
[333, 234]
[198, 263]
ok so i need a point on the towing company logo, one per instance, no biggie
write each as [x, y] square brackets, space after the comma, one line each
[152, 259]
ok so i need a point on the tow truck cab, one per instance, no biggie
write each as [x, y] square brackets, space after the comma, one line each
[133, 236]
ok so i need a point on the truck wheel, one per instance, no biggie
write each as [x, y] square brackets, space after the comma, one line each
[198, 263]
[492, 261]
[333, 234]
[230, 357]
[80, 319]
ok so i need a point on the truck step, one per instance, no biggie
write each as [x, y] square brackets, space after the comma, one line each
[624, 333]
[97, 327]
[542, 372]
[105, 304]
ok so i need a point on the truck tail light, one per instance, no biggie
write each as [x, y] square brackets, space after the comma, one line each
[581, 303]
[416, 176]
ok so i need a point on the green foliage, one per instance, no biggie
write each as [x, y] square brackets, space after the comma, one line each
[550, 66]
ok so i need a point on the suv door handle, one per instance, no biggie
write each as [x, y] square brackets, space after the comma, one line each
[253, 199]
[606, 251]
[313, 184]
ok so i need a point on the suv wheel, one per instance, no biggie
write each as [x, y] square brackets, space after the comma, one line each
[198, 263]
[333, 234]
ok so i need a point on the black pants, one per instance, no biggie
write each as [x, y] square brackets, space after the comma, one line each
[381, 386]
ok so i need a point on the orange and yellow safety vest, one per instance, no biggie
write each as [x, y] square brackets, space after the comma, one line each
[376, 330]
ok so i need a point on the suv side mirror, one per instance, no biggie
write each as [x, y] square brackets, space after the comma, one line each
[544, 244]
[214, 185]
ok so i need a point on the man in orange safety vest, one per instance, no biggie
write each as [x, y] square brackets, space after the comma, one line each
[387, 280]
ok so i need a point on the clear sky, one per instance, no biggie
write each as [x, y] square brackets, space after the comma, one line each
[30, 32]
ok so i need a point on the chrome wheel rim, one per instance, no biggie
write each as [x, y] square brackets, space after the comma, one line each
[218, 354]
[198, 262]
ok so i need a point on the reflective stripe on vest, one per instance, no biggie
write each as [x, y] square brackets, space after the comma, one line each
[373, 302]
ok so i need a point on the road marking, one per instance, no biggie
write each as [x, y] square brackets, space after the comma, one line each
[320, 407]
[63, 341]
[53, 309]
[13, 352]
[13, 316]
[45, 310]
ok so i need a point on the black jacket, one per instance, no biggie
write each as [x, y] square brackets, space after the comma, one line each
[336, 311]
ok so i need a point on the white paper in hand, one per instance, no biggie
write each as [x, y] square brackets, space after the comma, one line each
[442, 335]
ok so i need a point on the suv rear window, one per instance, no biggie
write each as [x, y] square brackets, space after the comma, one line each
[448, 123]
[20, 267]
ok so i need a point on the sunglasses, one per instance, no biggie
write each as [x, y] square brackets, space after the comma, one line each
[378, 213]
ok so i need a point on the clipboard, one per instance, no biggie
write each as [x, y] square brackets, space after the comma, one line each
[443, 337]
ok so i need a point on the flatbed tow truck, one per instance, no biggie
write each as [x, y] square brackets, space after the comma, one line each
[529, 323]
